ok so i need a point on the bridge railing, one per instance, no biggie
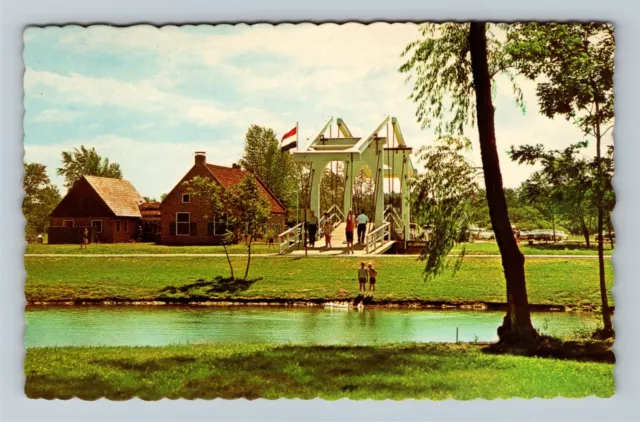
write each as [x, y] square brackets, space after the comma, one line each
[379, 235]
[391, 216]
[290, 238]
[335, 216]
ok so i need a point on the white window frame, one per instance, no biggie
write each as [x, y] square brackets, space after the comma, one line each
[73, 224]
[188, 201]
[100, 221]
[118, 226]
[188, 223]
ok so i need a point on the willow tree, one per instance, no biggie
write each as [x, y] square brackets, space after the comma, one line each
[453, 66]
[444, 196]
[573, 66]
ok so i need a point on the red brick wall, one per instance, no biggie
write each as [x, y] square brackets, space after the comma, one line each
[109, 227]
[173, 204]
[197, 209]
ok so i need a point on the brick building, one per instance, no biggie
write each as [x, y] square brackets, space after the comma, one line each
[150, 221]
[185, 219]
[108, 207]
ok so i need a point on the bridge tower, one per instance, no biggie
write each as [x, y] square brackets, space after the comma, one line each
[384, 155]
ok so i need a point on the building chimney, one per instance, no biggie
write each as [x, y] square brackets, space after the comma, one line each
[201, 158]
[235, 166]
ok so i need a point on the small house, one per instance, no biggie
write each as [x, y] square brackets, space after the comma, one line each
[185, 219]
[108, 207]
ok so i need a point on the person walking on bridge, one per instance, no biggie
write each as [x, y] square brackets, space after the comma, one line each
[328, 230]
[349, 227]
[362, 220]
[312, 226]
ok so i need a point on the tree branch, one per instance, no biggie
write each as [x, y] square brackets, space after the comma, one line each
[607, 130]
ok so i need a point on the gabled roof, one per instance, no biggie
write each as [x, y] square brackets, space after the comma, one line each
[228, 177]
[150, 210]
[119, 195]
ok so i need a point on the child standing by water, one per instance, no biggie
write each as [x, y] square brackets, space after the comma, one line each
[363, 274]
[373, 274]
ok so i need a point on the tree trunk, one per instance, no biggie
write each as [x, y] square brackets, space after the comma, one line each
[226, 252]
[606, 317]
[611, 240]
[585, 232]
[553, 224]
[246, 273]
[516, 327]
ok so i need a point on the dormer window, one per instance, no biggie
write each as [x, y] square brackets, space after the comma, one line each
[186, 198]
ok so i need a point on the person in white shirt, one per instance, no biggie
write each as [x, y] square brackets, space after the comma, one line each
[362, 220]
[363, 276]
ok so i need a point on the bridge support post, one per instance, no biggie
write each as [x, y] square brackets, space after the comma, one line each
[406, 203]
[379, 218]
[348, 188]
[317, 168]
[352, 169]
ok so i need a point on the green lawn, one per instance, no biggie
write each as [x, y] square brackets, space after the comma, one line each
[420, 371]
[488, 248]
[550, 281]
[561, 248]
[145, 248]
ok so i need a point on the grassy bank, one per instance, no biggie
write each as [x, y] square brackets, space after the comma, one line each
[146, 248]
[430, 371]
[488, 248]
[561, 248]
[566, 282]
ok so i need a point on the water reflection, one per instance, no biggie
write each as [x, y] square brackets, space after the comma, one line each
[156, 326]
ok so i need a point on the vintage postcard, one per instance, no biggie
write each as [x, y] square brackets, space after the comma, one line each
[362, 211]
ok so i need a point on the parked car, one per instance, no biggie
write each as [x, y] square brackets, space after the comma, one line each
[474, 232]
[606, 236]
[486, 235]
[535, 234]
[524, 234]
[547, 235]
[560, 235]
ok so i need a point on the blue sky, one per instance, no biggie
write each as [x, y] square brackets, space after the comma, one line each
[147, 98]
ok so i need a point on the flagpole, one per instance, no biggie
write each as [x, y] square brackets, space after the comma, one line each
[298, 190]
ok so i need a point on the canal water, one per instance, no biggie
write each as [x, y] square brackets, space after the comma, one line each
[163, 325]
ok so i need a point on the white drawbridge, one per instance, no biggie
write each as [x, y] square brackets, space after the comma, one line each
[384, 156]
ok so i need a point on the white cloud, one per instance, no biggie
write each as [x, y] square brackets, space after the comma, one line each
[55, 116]
[347, 71]
[152, 167]
[351, 43]
[144, 97]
